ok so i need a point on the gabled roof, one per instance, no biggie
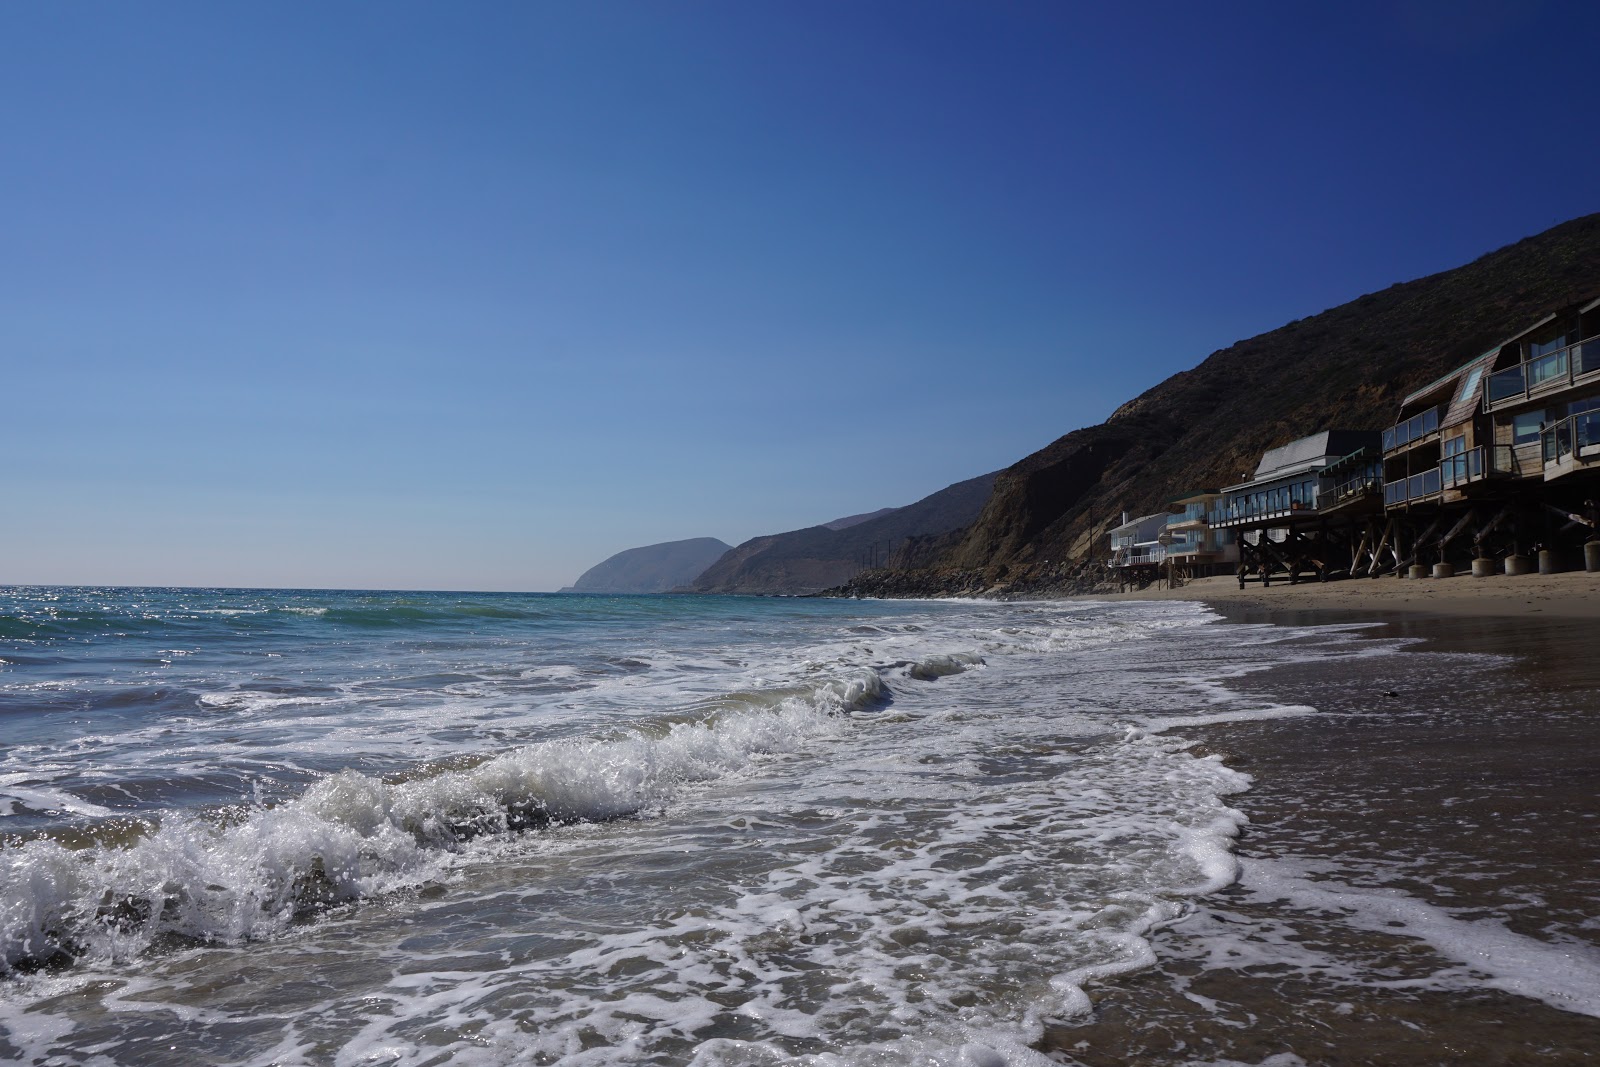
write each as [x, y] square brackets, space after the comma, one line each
[1312, 451]
[1449, 388]
[1309, 454]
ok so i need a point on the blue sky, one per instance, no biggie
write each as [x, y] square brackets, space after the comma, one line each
[473, 295]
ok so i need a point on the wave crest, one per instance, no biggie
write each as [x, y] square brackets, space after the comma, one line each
[351, 836]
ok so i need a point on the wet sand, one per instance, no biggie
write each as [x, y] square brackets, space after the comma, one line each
[1432, 804]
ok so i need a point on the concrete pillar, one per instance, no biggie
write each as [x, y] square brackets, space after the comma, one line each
[1482, 567]
[1443, 570]
[1591, 556]
[1547, 562]
[1519, 565]
[1417, 570]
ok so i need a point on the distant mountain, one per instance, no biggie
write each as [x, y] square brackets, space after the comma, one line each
[1346, 367]
[856, 520]
[805, 561]
[651, 569]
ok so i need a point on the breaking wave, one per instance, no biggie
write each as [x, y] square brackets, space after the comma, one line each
[249, 873]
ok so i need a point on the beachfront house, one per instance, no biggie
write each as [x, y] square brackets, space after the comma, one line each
[1193, 547]
[1293, 514]
[1138, 542]
[1543, 397]
[1441, 448]
[1501, 457]
[1439, 459]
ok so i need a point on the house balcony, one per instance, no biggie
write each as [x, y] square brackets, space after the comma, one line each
[1571, 444]
[1141, 555]
[1549, 373]
[1454, 472]
[1237, 516]
[1424, 486]
[1418, 428]
[1351, 490]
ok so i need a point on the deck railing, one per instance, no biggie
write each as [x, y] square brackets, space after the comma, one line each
[1572, 434]
[1139, 555]
[1417, 487]
[1561, 366]
[1360, 486]
[1415, 428]
[1238, 513]
[1464, 468]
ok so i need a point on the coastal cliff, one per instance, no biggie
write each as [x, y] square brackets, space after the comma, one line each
[1346, 367]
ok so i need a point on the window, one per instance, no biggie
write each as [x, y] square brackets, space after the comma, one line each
[1455, 445]
[1540, 348]
[1549, 368]
[1526, 427]
[1470, 386]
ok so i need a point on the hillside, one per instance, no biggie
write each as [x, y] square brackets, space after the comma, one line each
[1347, 367]
[856, 520]
[805, 561]
[651, 569]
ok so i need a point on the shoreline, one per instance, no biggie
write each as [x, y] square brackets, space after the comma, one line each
[1568, 595]
[1421, 864]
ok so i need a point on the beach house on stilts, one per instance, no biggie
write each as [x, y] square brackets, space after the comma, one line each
[1302, 508]
[1499, 461]
[1138, 549]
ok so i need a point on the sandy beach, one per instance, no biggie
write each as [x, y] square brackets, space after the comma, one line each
[1572, 594]
[1448, 789]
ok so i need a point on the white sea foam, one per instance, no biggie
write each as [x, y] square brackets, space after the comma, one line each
[352, 836]
[1565, 976]
[912, 844]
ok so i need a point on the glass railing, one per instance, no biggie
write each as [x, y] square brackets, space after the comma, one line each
[1585, 357]
[1415, 428]
[1247, 512]
[1586, 430]
[1416, 487]
[1574, 433]
[1460, 469]
[1556, 441]
[1507, 383]
[1421, 485]
[1362, 485]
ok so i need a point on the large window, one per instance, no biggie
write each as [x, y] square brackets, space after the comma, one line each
[1526, 427]
[1578, 407]
[1550, 344]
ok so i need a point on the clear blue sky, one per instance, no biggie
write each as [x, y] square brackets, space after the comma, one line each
[472, 295]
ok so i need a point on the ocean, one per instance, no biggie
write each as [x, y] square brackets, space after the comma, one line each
[308, 827]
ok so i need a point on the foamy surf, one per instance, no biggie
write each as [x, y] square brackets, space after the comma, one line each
[249, 874]
[643, 831]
